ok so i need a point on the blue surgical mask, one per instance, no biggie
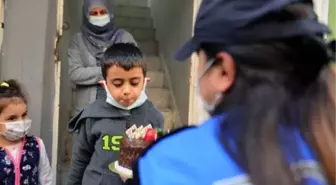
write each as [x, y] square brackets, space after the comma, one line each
[99, 20]
[140, 101]
[208, 107]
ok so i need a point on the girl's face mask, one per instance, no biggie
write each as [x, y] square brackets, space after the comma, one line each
[16, 130]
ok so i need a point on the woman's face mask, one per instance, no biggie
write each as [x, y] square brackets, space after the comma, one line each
[99, 20]
[99, 16]
[16, 130]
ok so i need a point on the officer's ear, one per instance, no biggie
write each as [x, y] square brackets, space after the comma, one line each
[225, 70]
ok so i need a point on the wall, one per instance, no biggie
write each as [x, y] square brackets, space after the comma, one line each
[321, 7]
[173, 21]
[27, 55]
[143, 3]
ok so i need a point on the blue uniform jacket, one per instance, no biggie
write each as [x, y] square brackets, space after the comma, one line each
[194, 156]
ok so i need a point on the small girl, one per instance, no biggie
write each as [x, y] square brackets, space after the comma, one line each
[23, 159]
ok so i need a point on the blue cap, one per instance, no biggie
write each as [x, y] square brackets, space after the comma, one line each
[232, 22]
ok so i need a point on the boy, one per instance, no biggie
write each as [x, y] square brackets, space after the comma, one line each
[100, 127]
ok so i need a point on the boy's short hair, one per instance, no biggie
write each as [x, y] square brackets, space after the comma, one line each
[125, 55]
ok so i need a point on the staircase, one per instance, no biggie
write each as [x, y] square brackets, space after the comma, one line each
[136, 18]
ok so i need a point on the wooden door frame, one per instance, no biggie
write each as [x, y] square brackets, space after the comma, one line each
[57, 78]
[197, 114]
[2, 20]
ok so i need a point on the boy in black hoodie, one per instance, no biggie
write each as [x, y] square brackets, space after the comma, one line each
[100, 127]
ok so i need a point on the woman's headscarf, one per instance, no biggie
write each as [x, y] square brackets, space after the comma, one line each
[96, 38]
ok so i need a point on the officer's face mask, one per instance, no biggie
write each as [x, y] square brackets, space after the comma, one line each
[208, 106]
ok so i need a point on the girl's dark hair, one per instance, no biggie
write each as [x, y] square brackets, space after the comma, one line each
[10, 90]
[277, 83]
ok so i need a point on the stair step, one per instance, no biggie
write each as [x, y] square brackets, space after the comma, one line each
[148, 47]
[159, 96]
[139, 3]
[133, 22]
[153, 63]
[132, 11]
[143, 34]
[157, 79]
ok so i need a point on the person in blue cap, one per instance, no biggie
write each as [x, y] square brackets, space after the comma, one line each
[260, 66]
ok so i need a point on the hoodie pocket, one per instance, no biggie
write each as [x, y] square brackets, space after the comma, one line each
[110, 179]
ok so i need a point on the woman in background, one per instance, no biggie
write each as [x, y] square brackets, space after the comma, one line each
[98, 32]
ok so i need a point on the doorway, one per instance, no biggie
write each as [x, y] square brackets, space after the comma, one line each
[72, 18]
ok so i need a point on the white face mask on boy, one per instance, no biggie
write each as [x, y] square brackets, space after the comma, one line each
[17, 129]
[99, 20]
[141, 99]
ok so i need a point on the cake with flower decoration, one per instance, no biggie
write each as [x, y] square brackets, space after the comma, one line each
[135, 142]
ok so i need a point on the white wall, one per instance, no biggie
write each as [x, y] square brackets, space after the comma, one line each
[28, 56]
[322, 8]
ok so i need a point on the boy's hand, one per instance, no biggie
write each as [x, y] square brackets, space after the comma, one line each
[148, 79]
